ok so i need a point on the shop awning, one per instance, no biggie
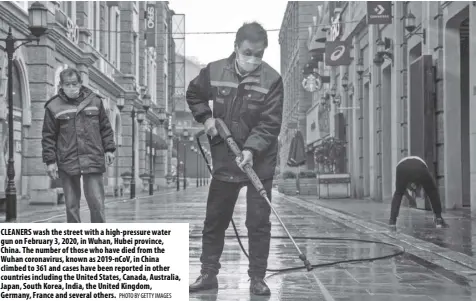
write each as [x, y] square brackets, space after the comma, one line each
[318, 43]
[317, 48]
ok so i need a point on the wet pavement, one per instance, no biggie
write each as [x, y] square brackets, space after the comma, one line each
[460, 237]
[401, 278]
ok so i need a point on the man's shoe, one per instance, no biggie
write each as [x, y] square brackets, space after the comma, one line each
[259, 287]
[392, 223]
[440, 222]
[204, 282]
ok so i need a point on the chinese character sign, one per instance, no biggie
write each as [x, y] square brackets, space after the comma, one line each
[150, 23]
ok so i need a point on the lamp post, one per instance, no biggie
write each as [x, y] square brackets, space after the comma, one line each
[185, 136]
[162, 116]
[38, 14]
[140, 118]
[177, 168]
[200, 163]
[196, 153]
[202, 172]
[209, 155]
[146, 105]
[146, 101]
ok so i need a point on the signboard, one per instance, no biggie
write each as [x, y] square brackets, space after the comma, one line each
[336, 26]
[312, 83]
[150, 23]
[379, 12]
[337, 53]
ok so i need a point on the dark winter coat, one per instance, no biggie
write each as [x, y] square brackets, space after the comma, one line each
[252, 109]
[77, 133]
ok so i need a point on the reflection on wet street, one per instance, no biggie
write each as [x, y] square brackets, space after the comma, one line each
[401, 278]
[460, 237]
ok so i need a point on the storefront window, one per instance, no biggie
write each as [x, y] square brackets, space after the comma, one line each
[17, 93]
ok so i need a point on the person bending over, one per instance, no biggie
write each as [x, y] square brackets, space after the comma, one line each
[413, 172]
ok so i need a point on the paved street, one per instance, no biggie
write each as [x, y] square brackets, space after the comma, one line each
[458, 241]
[415, 222]
[403, 278]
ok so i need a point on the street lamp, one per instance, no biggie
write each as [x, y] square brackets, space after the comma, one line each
[146, 105]
[196, 152]
[185, 136]
[146, 102]
[200, 163]
[410, 26]
[177, 176]
[333, 91]
[140, 119]
[360, 67]
[208, 153]
[202, 171]
[162, 116]
[360, 70]
[383, 53]
[38, 15]
[337, 100]
[345, 81]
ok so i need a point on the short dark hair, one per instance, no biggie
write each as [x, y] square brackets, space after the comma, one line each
[70, 72]
[252, 32]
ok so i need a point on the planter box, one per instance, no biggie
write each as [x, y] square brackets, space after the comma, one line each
[287, 186]
[333, 186]
[307, 186]
[145, 183]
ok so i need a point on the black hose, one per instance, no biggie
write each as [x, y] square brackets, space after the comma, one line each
[398, 252]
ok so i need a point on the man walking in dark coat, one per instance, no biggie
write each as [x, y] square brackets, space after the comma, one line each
[413, 171]
[247, 95]
[77, 139]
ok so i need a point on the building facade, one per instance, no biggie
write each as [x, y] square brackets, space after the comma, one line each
[183, 151]
[411, 94]
[293, 37]
[105, 42]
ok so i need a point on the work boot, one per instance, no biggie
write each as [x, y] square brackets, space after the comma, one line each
[258, 287]
[204, 282]
[392, 223]
[440, 222]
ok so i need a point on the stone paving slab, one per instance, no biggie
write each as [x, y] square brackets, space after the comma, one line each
[401, 278]
[459, 263]
[418, 223]
[34, 213]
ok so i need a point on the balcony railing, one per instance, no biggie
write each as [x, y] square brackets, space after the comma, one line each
[108, 69]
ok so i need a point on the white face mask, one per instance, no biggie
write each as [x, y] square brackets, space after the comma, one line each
[71, 92]
[247, 63]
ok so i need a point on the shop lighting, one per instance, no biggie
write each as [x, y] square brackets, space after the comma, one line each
[410, 26]
[333, 91]
[383, 51]
[337, 100]
[345, 81]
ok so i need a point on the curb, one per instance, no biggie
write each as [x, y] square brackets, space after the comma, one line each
[447, 259]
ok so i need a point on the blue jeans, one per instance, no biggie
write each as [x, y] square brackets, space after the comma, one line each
[221, 202]
[93, 186]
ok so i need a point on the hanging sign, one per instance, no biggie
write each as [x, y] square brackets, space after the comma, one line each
[150, 24]
[379, 12]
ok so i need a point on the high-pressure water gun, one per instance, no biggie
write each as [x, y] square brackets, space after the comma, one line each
[225, 134]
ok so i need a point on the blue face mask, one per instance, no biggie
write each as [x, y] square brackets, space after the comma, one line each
[247, 63]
